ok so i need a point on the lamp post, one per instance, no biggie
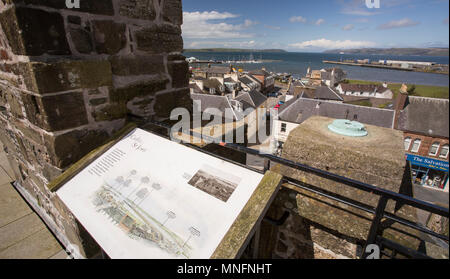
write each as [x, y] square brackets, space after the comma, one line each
[170, 215]
[194, 232]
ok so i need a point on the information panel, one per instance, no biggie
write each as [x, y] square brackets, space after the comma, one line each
[148, 197]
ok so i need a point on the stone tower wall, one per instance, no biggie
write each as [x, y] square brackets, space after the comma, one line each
[69, 77]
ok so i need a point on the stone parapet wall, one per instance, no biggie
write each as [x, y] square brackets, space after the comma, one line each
[320, 227]
[69, 77]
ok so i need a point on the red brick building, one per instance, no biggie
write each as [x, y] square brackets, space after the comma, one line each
[266, 79]
[427, 146]
[425, 124]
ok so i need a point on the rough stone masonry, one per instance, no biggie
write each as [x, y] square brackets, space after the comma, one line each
[69, 77]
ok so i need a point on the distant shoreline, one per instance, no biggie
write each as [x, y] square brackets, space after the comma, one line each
[236, 50]
[443, 52]
[385, 67]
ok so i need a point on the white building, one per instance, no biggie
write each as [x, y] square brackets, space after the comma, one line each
[298, 110]
[365, 90]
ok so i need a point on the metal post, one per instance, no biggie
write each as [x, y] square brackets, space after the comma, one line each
[266, 164]
[375, 227]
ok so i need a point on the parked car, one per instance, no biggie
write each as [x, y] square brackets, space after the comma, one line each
[274, 94]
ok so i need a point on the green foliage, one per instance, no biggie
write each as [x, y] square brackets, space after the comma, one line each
[430, 91]
[412, 90]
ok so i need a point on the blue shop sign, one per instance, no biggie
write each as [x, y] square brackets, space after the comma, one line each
[427, 162]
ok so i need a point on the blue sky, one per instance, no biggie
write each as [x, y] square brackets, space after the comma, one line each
[317, 25]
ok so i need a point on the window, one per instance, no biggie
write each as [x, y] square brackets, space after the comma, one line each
[434, 149]
[283, 127]
[416, 146]
[407, 143]
[444, 151]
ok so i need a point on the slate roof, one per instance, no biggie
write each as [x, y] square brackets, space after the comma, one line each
[337, 71]
[300, 109]
[228, 79]
[213, 83]
[363, 88]
[246, 80]
[260, 73]
[196, 88]
[427, 116]
[212, 101]
[295, 88]
[254, 98]
[326, 93]
[218, 70]
[221, 103]
[325, 75]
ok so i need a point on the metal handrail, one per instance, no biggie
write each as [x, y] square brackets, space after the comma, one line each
[364, 207]
[379, 212]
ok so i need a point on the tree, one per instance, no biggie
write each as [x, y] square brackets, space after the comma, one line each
[412, 90]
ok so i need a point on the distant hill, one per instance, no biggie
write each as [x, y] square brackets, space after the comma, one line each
[234, 50]
[395, 51]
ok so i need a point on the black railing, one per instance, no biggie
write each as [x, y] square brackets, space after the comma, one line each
[376, 228]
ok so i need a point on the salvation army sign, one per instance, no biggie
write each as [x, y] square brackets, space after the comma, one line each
[427, 162]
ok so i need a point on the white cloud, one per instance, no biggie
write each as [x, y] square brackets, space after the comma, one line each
[358, 12]
[329, 44]
[272, 27]
[348, 27]
[227, 44]
[297, 19]
[249, 23]
[320, 21]
[211, 25]
[200, 16]
[362, 20]
[356, 7]
[406, 22]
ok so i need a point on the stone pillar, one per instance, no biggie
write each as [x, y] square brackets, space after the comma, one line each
[69, 77]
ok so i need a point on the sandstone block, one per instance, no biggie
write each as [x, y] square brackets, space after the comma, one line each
[63, 111]
[68, 148]
[104, 7]
[172, 11]
[98, 101]
[141, 89]
[40, 31]
[109, 36]
[137, 65]
[159, 39]
[70, 75]
[82, 40]
[111, 112]
[139, 9]
[165, 103]
[58, 112]
[179, 70]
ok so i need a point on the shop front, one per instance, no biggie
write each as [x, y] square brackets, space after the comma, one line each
[429, 172]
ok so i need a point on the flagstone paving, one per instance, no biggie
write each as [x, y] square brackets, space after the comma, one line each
[23, 235]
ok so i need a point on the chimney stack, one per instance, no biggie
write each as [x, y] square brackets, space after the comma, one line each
[400, 103]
